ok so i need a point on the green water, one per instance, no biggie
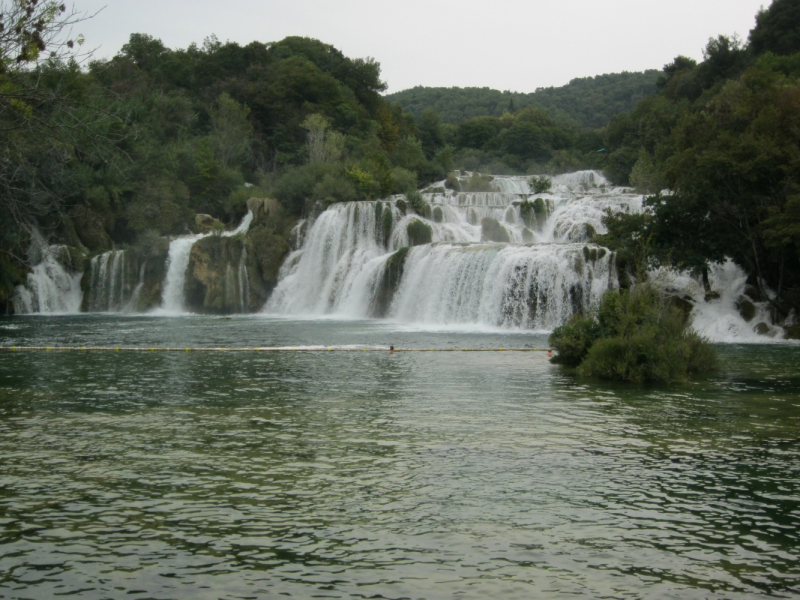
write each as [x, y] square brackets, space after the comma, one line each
[369, 475]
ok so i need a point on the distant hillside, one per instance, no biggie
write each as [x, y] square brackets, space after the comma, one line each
[589, 101]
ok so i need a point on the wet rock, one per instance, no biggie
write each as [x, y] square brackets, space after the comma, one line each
[206, 223]
[793, 332]
[389, 283]
[493, 231]
[746, 308]
[753, 293]
[263, 208]
[762, 329]
[711, 296]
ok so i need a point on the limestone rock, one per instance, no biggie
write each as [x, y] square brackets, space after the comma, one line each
[205, 223]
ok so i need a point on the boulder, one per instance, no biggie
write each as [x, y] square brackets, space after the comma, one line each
[262, 208]
[493, 231]
[205, 223]
[746, 308]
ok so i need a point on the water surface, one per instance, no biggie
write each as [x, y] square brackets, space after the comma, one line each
[370, 475]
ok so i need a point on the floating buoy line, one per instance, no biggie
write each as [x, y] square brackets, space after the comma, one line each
[265, 349]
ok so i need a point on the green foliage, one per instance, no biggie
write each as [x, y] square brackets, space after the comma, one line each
[644, 177]
[479, 183]
[573, 340]
[541, 184]
[419, 232]
[777, 29]
[452, 183]
[418, 204]
[634, 336]
[588, 102]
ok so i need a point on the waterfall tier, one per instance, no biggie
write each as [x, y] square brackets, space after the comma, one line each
[505, 258]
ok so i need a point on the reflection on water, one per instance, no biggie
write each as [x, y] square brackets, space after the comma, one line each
[385, 476]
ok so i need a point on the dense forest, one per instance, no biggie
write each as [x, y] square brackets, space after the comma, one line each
[587, 102]
[159, 141]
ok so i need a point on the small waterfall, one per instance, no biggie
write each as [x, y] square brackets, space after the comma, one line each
[110, 289]
[52, 286]
[177, 261]
[244, 281]
[172, 298]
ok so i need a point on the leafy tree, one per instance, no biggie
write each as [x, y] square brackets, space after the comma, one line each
[777, 29]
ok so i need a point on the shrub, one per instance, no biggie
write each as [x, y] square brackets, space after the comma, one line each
[540, 185]
[419, 232]
[418, 204]
[636, 336]
[403, 180]
[479, 183]
[452, 183]
[573, 340]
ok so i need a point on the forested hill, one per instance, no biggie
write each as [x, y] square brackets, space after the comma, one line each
[588, 101]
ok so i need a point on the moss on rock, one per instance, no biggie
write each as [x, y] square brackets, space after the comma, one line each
[493, 231]
[419, 232]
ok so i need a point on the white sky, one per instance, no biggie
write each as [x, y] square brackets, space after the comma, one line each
[513, 45]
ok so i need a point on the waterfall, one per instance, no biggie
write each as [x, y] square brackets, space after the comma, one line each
[110, 289]
[177, 261]
[172, 298]
[496, 285]
[535, 278]
[52, 286]
[244, 281]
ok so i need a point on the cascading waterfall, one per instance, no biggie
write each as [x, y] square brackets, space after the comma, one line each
[538, 272]
[460, 277]
[110, 289]
[52, 286]
[532, 287]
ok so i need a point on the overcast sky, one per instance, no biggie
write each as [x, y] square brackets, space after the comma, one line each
[513, 45]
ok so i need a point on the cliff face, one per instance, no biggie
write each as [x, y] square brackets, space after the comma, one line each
[236, 274]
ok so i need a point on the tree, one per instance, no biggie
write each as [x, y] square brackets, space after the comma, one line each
[43, 111]
[231, 132]
[777, 29]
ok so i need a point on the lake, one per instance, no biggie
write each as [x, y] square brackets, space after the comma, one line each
[376, 475]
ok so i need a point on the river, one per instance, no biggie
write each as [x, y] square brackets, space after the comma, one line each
[377, 475]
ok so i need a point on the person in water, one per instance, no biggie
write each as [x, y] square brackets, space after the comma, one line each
[391, 349]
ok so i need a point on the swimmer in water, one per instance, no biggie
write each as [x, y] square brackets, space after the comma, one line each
[391, 349]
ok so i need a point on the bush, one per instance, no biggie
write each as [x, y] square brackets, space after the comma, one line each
[452, 183]
[418, 204]
[403, 180]
[636, 336]
[334, 188]
[419, 232]
[296, 185]
[479, 183]
[540, 185]
[573, 340]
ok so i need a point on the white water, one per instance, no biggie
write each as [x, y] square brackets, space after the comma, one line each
[535, 282]
[458, 279]
[52, 286]
[109, 287]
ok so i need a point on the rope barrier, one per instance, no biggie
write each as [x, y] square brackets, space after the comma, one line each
[268, 349]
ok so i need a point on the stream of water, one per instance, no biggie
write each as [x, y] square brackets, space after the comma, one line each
[371, 475]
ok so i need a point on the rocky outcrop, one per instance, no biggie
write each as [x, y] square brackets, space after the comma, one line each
[234, 274]
[263, 209]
